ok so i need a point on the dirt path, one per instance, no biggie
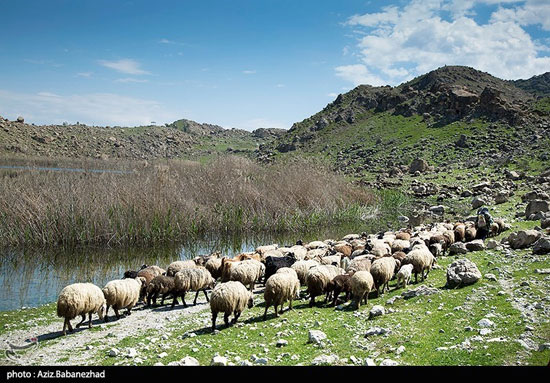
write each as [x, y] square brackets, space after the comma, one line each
[52, 345]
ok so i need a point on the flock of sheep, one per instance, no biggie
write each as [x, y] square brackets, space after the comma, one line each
[355, 266]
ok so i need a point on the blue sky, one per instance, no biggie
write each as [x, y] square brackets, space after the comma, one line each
[245, 64]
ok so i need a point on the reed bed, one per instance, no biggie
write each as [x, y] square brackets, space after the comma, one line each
[173, 201]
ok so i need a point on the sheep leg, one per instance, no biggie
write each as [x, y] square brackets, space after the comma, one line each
[90, 321]
[196, 296]
[174, 301]
[206, 295]
[162, 300]
[236, 316]
[106, 319]
[312, 301]
[265, 312]
[214, 316]
[70, 326]
[226, 319]
[82, 321]
[65, 326]
[276, 312]
[116, 312]
[183, 299]
[290, 305]
[415, 277]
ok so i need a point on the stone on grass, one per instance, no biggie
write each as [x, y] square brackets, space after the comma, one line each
[458, 248]
[317, 337]
[421, 290]
[462, 272]
[542, 246]
[189, 361]
[376, 311]
[523, 238]
[324, 360]
[369, 362]
[389, 362]
[219, 361]
[475, 245]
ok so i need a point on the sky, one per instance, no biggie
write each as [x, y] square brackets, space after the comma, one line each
[245, 64]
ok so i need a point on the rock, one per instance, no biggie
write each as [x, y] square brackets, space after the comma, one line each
[245, 363]
[523, 238]
[376, 331]
[131, 353]
[491, 277]
[158, 364]
[369, 362]
[317, 337]
[462, 272]
[462, 142]
[485, 323]
[389, 362]
[400, 350]
[501, 198]
[114, 352]
[542, 271]
[421, 290]
[534, 195]
[492, 244]
[458, 248]
[219, 361]
[475, 245]
[478, 202]
[484, 331]
[90, 347]
[20, 119]
[325, 360]
[439, 209]
[189, 361]
[544, 346]
[418, 165]
[542, 246]
[466, 193]
[376, 311]
[282, 343]
[162, 355]
[545, 223]
[259, 361]
[536, 206]
[513, 175]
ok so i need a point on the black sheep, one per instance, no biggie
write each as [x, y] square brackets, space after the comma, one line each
[272, 264]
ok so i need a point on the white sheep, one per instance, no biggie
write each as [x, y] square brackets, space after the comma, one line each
[176, 266]
[362, 283]
[80, 299]
[194, 279]
[302, 267]
[422, 260]
[247, 272]
[229, 297]
[214, 266]
[122, 293]
[279, 288]
[382, 271]
[318, 279]
[404, 274]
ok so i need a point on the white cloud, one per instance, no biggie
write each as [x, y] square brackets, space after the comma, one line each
[332, 95]
[84, 74]
[249, 71]
[402, 42]
[92, 109]
[129, 79]
[257, 123]
[358, 74]
[127, 66]
[280, 86]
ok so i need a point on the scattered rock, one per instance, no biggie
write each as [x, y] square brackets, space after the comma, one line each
[377, 331]
[389, 362]
[317, 337]
[523, 238]
[400, 350]
[418, 165]
[376, 310]
[483, 323]
[219, 361]
[114, 352]
[439, 209]
[325, 360]
[536, 206]
[491, 277]
[542, 246]
[462, 272]
[282, 343]
[369, 362]
[458, 248]
[419, 291]
[478, 202]
[189, 361]
[475, 245]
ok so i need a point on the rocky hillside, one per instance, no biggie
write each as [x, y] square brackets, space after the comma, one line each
[536, 85]
[452, 114]
[181, 139]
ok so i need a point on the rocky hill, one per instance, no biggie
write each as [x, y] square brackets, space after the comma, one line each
[536, 85]
[181, 139]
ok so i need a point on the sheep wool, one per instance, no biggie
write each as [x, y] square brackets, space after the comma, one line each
[318, 279]
[302, 267]
[229, 297]
[280, 288]
[382, 271]
[195, 279]
[362, 283]
[246, 272]
[176, 266]
[214, 266]
[404, 275]
[122, 293]
[422, 259]
[80, 299]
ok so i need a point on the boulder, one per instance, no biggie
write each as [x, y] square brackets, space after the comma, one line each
[189, 361]
[317, 337]
[418, 165]
[219, 361]
[376, 311]
[462, 142]
[535, 206]
[478, 202]
[501, 198]
[419, 291]
[475, 245]
[439, 209]
[20, 119]
[523, 238]
[462, 272]
[545, 223]
[542, 246]
[457, 248]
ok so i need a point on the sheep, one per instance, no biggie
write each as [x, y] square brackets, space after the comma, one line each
[380, 248]
[161, 284]
[403, 235]
[362, 283]
[436, 249]
[122, 293]
[288, 270]
[422, 260]
[400, 245]
[340, 284]
[470, 233]
[133, 273]
[404, 274]
[246, 272]
[176, 266]
[330, 260]
[194, 279]
[343, 247]
[460, 232]
[214, 266]
[229, 297]
[359, 263]
[400, 256]
[148, 274]
[318, 278]
[246, 256]
[272, 264]
[302, 267]
[279, 288]
[201, 260]
[382, 271]
[80, 299]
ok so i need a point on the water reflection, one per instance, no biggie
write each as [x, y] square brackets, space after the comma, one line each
[32, 277]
